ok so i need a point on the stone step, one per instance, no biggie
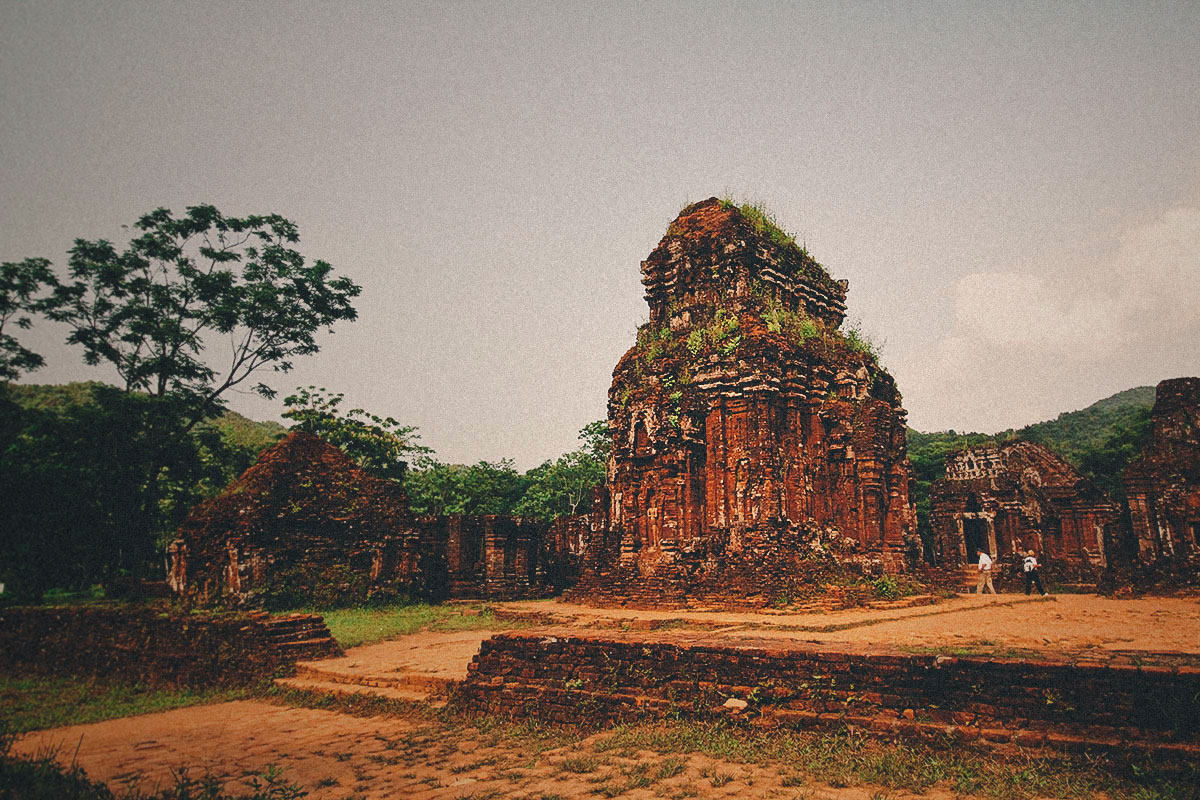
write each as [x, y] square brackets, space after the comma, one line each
[322, 647]
[338, 689]
[298, 634]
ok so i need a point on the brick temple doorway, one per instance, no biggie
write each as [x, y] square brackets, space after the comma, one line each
[975, 533]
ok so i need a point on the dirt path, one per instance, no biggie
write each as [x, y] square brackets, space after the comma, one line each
[333, 755]
[1066, 622]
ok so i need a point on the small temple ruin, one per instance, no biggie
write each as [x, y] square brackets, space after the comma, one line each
[751, 436]
[1163, 483]
[1015, 497]
[306, 516]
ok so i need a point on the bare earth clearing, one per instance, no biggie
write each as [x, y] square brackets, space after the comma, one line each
[336, 755]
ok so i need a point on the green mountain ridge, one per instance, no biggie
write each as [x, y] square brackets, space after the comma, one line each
[1099, 441]
[236, 429]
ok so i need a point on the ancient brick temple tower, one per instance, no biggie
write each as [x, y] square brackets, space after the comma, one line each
[751, 438]
[1163, 483]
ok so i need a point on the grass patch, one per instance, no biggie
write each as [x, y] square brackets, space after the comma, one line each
[670, 767]
[764, 222]
[355, 626]
[581, 764]
[34, 703]
[846, 759]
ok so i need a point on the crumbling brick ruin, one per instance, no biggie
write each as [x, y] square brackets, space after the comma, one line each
[1163, 483]
[490, 556]
[751, 437]
[1121, 705]
[1016, 497]
[304, 524]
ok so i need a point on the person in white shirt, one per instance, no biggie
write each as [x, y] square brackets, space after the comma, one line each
[985, 574]
[1030, 566]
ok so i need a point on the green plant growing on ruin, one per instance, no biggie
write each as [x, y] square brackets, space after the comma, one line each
[723, 325]
[764, 222]
[886, 588]
[695, 341]
[859, 342]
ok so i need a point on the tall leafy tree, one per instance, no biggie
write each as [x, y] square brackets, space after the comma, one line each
[378, 444]
[72, 475]
[156, 309]
[565, 485]
[151, 309]
[21, 284]
[482, 488]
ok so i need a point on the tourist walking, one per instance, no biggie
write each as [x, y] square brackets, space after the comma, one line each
[1031, 574]
[985, 574]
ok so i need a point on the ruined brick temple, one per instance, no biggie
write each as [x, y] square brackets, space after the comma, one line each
[1163, 483]
[752, 437]
[1016, 497]
[305, 516]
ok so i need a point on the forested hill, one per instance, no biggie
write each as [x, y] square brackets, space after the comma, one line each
[1076, 434]
[236, 430]
[1099, 440]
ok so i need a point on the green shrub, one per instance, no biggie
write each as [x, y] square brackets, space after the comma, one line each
[763, 221]
[886, 588]
[324, 587]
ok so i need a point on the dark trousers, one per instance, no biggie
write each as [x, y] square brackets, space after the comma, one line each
[1031, 578]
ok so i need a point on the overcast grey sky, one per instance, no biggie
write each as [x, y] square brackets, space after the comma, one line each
[1012, 189]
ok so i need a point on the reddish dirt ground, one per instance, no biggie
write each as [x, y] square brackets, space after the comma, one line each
[334, 755]
[1065, 623]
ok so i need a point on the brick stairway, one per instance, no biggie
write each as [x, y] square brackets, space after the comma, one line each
[298, 636]
[420, 668]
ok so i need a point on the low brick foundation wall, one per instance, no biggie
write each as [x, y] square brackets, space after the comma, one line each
[141, 644]
[567, 678]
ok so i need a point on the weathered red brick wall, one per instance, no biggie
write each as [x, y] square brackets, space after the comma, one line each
[140, 645]
[1163, 483]
[567, 678]
[303, 507]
